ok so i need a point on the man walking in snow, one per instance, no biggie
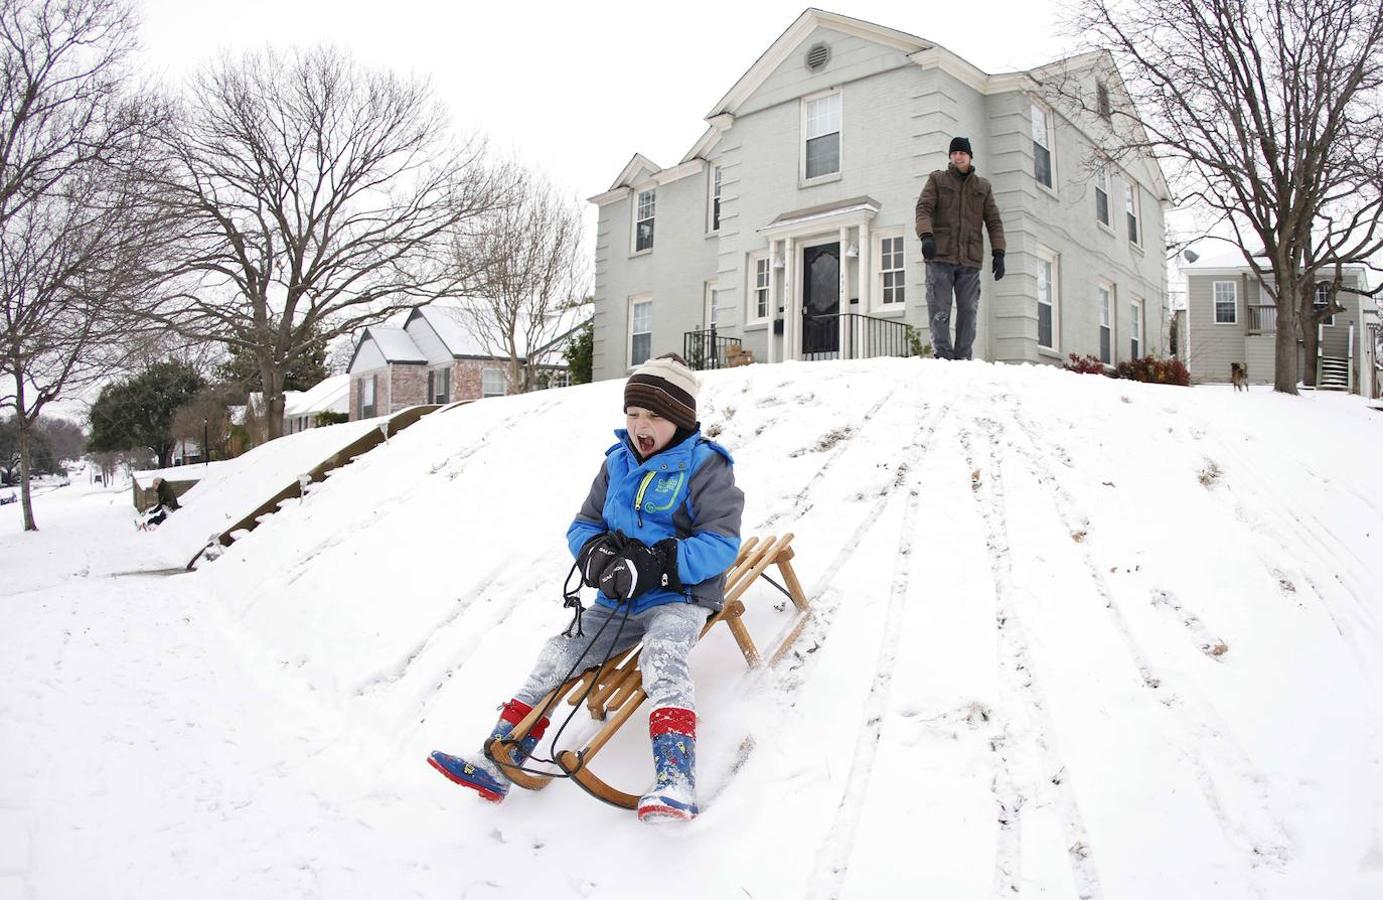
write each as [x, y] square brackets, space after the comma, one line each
[954, 203]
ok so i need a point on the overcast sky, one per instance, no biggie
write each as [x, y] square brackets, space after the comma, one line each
[575, 88]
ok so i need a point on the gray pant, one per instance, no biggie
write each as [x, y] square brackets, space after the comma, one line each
[668, 633]
[964, 281]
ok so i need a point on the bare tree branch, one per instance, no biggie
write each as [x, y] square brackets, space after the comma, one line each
[1266, 112]
[315, 197]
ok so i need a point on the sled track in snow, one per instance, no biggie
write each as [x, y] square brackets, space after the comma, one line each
[833, 855]
[452, 465]
[1185, 708]
[823, 611]
[1020, 696]
[801, 502]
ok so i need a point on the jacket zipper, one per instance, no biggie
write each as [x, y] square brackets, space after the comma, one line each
[638, 499]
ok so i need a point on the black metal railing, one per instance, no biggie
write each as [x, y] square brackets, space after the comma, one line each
[866, 337]
[706, 349]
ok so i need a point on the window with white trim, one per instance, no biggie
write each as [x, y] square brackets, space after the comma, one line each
[891, 272]
[1136, 328]
[1104, 299]
[493, 383]
[1226, 302]
[1132, 206]
[439, 385]
[713, 201]
[1102, 104]
[367, 396]
[760, 281]
[711, 315]
[1321, 300]
[1048, 298]
[1042, 144]
[821, 136]
[644, 211]
[1102, 196]
[640, 330]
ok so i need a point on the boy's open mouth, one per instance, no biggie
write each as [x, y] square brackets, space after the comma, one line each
[645, 444]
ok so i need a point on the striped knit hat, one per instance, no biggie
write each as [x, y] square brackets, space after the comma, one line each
[667, 387]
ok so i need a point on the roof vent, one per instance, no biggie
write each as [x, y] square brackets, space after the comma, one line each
[818, 56]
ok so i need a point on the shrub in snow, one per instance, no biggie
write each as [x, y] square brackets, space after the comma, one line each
[1084, 365]
[1155, 370]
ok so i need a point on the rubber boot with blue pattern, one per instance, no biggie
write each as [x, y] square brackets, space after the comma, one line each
[479, 773]
[673, 796]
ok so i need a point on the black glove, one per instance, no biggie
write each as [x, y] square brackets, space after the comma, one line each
[998, 265]
[639, 568]
[596, 555]
[928, 246]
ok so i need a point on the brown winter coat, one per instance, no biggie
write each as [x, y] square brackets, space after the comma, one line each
[952, 209]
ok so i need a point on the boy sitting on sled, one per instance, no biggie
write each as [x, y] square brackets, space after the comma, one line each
[657, 532]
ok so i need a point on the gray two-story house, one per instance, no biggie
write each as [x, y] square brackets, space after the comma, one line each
[1231, 319]
[788, 228]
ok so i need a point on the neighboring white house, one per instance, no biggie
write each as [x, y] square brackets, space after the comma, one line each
[301, 408]
[435, 358]
[789, 226]
[1230, 318]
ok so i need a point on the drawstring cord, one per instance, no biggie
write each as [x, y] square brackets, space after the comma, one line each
[571, 598]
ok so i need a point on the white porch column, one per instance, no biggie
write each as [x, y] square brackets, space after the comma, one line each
[772, 354]
[866, 276]
[866, 269]
[792, 316]
[843, 321]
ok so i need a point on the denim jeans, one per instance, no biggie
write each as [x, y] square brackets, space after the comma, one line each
[943, 279]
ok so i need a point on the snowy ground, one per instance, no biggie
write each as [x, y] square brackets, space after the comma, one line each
[1075, 638]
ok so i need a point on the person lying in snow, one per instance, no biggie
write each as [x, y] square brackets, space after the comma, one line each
[656, 534]
[167, 503]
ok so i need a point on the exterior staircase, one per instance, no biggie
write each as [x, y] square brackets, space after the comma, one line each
[1334, 374]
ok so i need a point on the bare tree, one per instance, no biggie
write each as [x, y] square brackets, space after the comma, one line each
[1267, 113]
[533, 265]
[317, 197]
[73, 230]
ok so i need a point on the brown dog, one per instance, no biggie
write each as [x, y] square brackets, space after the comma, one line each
[1239, 376]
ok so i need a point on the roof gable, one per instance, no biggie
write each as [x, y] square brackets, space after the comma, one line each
[393, 344]
[797, 34]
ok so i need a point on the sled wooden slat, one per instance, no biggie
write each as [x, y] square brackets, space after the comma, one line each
[599, 699]
[616, 688]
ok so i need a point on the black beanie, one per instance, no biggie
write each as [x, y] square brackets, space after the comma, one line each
[960, 143]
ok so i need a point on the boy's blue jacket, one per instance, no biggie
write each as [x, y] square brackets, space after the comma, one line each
[685, 492]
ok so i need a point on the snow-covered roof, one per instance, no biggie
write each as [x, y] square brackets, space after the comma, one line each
[395, 344]
[451, 328]
[328, 395]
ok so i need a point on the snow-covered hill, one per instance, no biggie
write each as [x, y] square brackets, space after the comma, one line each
[1074, 638]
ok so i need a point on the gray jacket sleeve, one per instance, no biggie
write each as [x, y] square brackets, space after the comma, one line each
[590, 520]
[716, 505]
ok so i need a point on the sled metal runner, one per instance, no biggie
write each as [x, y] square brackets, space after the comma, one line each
[618, 692]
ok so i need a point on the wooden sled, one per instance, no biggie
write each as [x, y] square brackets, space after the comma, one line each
[617, 692]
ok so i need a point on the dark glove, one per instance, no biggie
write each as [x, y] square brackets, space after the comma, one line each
[998, 265]
[639, 568]
[596, 555]
[928, 246]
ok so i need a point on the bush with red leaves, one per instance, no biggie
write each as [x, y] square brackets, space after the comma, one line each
[1155, 370]
[1085, 365]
